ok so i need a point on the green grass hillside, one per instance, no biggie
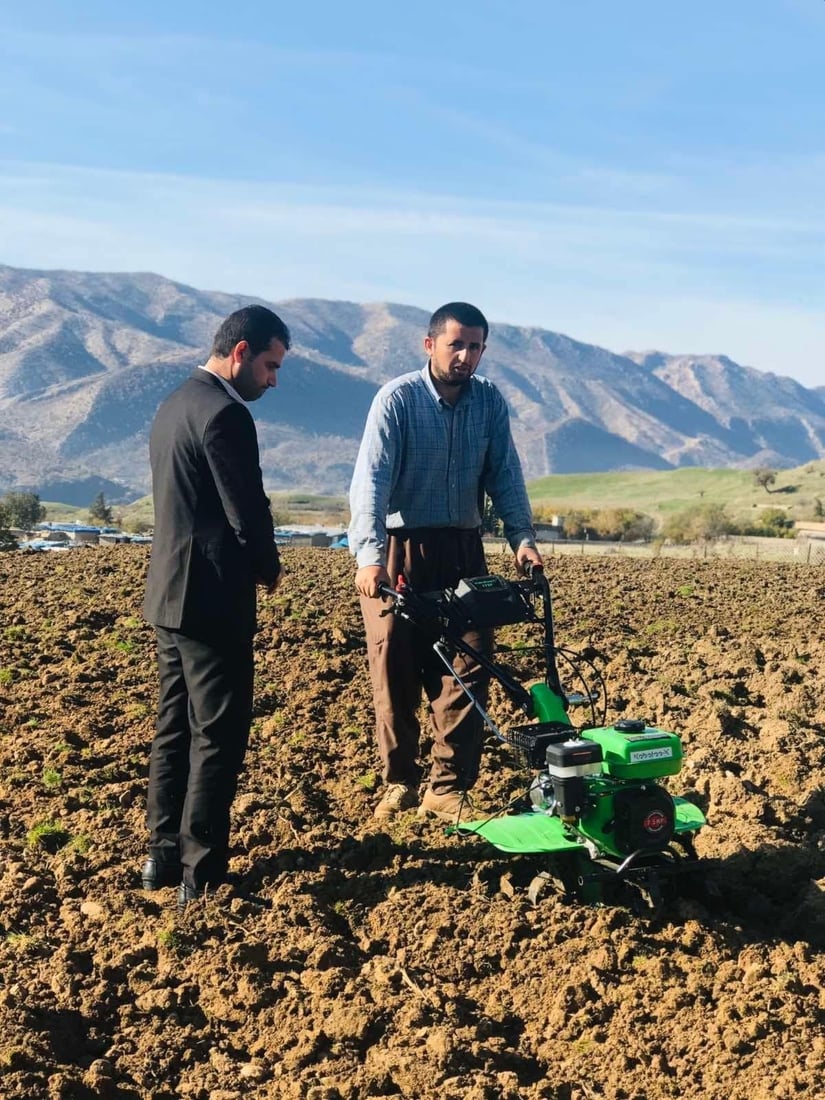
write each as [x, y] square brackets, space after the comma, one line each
[657, 493]
[64, 513]
[663, 493]
[299, 508]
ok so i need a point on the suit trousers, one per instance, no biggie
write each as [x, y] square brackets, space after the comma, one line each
[402, 663]
[204, 716]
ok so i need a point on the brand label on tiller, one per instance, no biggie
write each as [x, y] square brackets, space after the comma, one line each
[651, 754]
[654, 822]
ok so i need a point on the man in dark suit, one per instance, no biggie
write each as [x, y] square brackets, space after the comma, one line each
[213, 543]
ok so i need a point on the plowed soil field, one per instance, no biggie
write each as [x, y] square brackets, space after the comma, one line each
[349, 959]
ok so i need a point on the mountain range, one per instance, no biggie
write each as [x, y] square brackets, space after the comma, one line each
[86, 358]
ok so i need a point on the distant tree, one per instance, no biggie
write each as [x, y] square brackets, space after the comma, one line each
[279, 507]
[610, 524]
[701, 522]
[578, 524]
[764, 477]
[545, 513]
[778, 523]
[774, 523]
[135, 526]
[819, 509]
[100, 511]
[7, 539]
[24, 509]
[621, 525]
[490, 520]
[714, 522]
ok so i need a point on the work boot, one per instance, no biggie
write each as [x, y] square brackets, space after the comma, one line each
[397, 798]
[452, 806]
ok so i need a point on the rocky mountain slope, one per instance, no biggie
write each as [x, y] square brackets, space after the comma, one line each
[86, 358]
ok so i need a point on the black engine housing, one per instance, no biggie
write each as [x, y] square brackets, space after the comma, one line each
[644, 818]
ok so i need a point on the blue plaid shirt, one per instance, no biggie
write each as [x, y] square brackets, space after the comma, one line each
[426, 463]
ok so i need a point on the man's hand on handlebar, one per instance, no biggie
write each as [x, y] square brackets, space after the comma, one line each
[528, 556]
[369, 579]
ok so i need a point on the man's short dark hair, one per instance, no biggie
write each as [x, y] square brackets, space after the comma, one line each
[462, 312]
[257, 325]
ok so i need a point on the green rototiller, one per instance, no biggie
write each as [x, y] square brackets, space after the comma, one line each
[594, 798]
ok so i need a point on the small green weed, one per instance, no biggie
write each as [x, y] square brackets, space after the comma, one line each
[81, 844]
[175, 941]
[23, 942]
[369, 781]
[6, 675]
[722, 696]
[660, 626]
[47, 835]
[14, 632]
[398, 827]
[133, 711]
[51, 778]
[685, 590]
[13, 1058]
[785, 979]
[170, 938]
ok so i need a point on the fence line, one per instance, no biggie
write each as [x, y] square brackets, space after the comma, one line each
[791, 551]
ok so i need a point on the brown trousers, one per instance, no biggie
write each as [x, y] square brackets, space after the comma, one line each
[402, 662]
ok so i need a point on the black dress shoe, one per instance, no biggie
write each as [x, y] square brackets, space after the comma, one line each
[187, 894]
[156, 873]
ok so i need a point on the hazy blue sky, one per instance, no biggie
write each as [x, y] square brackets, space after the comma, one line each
[634, 173]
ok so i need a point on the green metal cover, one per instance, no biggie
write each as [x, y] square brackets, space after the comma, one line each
[547, 706]
[521, 833]
[688, 817]
[644, 755]
[536, 832]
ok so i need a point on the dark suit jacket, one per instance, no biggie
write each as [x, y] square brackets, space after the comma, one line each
[213, 525]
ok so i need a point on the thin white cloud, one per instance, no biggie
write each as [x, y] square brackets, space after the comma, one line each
[333, 211]
[379, 206]
[111, 48]
[625, 279]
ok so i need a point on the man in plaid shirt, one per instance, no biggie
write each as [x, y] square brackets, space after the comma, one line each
[435, 442]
